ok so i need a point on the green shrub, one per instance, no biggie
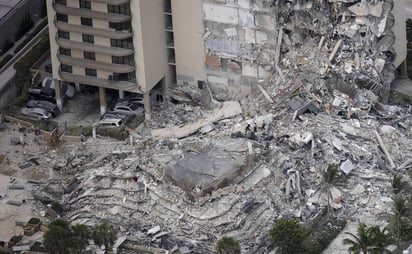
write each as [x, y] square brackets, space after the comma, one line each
[227, 245]
[116, 133]
[56, 206]
[5, 60]
[322, 233]
[16, 238]
[78, 131]
[34, 221]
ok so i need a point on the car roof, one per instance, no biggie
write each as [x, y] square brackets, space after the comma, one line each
[110, 120]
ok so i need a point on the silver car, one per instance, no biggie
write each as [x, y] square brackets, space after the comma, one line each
[38, 113]
[128, 108]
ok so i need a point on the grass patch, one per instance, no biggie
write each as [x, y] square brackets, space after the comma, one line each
[79, 131]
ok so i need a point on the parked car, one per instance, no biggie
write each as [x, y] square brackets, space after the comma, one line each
[44, 93]
[38, 113]
[114, 114]
[48, 66]
[128, 108]
[111, 123]
[136, 99]
[49, 106]
[66, 89]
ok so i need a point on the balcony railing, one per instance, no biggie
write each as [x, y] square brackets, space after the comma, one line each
[108, 33]
[109, 67]
[112, 17]
[84, 46]
[93, 81]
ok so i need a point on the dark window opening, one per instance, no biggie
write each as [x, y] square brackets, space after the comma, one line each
[88, 38]
[65, 52]
[86, 21]
[89, 55]
[66, 68]
[91, 72]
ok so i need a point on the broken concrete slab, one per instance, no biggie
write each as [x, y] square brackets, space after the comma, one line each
[228, 109]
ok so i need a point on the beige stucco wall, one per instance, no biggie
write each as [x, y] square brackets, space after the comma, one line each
[400, 13]
[52, 33]
[149, 40]
[188, 39]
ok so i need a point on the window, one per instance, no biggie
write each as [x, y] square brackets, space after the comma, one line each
[61, 2]
[91, 72]
[62, 17]
[119, 9]
[89, 55]
[66, 68]
[86, 21]
[65, 52]
[123, 60]
[126, 43]
[123, 26]
[130, 76]
[63, 34]
[85, 4]
[88, 38]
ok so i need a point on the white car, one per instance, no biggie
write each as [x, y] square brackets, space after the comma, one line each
[38, 113]
[110, 123]
[128, 108]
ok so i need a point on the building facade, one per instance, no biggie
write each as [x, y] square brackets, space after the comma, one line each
[140, 45]
[127, 45]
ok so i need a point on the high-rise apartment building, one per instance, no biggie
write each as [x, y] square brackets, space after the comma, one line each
[127, 45]
[139, 45]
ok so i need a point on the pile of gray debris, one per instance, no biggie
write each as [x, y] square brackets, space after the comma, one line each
[198, 171]
[196, 174]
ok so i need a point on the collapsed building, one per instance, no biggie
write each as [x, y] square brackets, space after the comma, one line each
[314, 70]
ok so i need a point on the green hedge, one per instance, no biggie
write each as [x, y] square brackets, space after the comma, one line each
[31, 36]
[116, 133]
[5, 60]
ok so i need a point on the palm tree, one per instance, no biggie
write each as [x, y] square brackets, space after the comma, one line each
[104, 234]
[398, 185]
[400, 212]
[81, 236]
[361, 242]
[330, 179]
[380, 239]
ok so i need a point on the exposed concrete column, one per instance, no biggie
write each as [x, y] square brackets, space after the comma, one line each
[102, 99]
[147, 106]
[121, 94]
[165, 87]
[404, 68]
[77, 85]
[57, 89]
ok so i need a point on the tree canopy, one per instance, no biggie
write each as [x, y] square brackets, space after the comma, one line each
[227, 245]
[288, 235]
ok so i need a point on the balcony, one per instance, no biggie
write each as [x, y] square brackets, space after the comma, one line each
[112, 17]
[114, 2]
[84, 46]
[109, 67]
[110, 33]
[112, 84]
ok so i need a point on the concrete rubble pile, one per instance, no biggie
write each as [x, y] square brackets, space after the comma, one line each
[195, 173]
[239, 175]
[347, 42]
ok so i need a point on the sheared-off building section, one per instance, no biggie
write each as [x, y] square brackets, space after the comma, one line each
[351, 41]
